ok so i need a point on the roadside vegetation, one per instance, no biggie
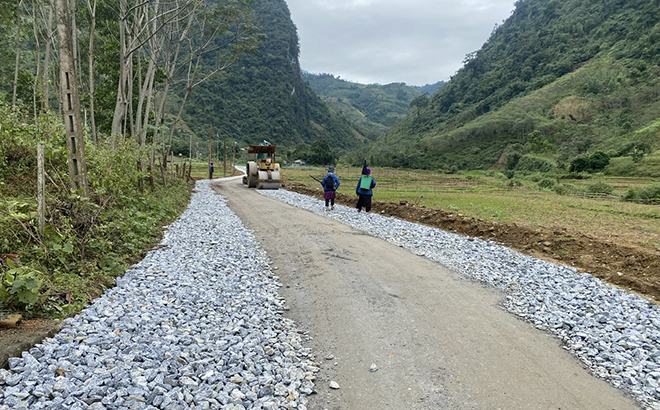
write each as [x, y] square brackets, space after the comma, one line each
[87, 242]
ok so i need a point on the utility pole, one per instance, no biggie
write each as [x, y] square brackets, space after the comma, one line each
[75, 143]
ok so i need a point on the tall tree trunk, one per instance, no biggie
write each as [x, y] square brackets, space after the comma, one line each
[73, 11]
[45, 92]
[120, 106]
[71, 101]
[92, 30]
[18, 52]
[36, 87]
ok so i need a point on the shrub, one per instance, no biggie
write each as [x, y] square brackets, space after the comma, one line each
[87, 241]
[564, 189]
[594, 162]
[19, 287]
[579, 164]
[646, 195]
[600, 187]
[631, 195]
[649, 194]
[530, 163]
[535, 177]
[622, 166]
[598, 160]
[547, 183]
[512, 159]
[577, 175]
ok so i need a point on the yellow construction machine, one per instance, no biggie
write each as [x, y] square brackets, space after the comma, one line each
[263, 172]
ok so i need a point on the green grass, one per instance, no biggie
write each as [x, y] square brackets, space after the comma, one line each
[486, 195]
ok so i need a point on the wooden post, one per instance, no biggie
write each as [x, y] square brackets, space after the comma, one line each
[140, 181]
[41, 190]
[162, 174]
[152, 181]
[209, 164]
[224, 162]
[233, 158]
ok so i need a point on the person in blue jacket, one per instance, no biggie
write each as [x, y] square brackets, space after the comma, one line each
[330, 184]
[364, 190]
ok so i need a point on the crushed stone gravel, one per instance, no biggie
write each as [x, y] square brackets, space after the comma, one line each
[197, 324]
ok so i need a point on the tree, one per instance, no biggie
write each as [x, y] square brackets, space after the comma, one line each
[70, 100]
[320, 153]
[176, 36]
[222, 32]
[579, 164]
[598, 160]
[420, 102]
[18, 52]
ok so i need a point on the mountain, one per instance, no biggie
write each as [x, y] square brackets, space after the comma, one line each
[430, 88]
[557, 81]
[372, 107]
[263, 96]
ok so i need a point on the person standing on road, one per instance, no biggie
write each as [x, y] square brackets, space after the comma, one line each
[211, 170]
[330, 184]
[364, 192]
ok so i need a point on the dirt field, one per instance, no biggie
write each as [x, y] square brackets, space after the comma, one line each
[602, 256]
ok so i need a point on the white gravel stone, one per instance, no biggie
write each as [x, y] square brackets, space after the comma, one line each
[196, 324]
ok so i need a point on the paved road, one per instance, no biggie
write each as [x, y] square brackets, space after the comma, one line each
[439, 340]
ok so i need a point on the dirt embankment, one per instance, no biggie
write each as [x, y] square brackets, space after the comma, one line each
[624, 265]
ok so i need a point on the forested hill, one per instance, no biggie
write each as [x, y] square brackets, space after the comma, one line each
[263, 96]
[557, 80]
[373, 107]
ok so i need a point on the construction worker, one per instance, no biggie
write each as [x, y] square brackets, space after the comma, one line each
[330, 184]
[364, 192]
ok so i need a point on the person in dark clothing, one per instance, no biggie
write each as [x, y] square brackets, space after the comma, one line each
[364, 192]
[211, 170]
[330, 184]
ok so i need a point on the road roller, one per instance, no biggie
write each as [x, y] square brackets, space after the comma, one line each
[263, 172]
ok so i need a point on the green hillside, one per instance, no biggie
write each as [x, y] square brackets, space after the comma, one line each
[375, 107]
[263, 95]
[372, 108]
[557, 81]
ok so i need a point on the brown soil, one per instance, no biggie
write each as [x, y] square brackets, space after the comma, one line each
[599, 256]
[14, 340]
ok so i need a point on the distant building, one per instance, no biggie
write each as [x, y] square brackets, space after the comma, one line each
[299, 162]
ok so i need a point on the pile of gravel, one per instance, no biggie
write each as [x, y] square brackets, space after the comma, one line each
[197, 324]
[614, 333]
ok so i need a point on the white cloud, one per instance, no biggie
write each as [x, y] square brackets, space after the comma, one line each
[383, 41]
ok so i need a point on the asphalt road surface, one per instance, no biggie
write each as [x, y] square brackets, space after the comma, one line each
[438, 339]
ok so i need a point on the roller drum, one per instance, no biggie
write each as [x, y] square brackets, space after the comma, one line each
[252, 174]
[269, 180]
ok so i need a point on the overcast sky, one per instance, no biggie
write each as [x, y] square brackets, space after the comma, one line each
[417, 42]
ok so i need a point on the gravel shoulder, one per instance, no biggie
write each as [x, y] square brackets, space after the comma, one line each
[438, 339]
